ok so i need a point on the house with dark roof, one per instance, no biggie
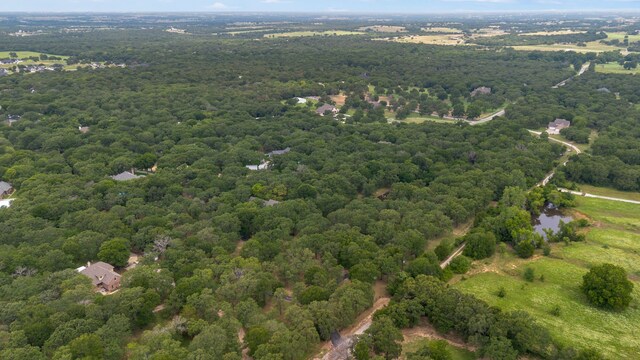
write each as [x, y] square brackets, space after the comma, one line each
[102, 275]
[5, 189]
[322, 110]
[483, 90]
[557, 125]
[126, 176]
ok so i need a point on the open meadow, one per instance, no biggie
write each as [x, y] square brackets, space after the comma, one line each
[615, 68]
[556, 300]
[313, 33]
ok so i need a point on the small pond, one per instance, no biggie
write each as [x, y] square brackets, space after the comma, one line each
[549, 219]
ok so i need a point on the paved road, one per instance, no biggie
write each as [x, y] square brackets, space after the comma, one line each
[562, 83]
[572, 147]
[486, 119]
[455, 254]
[569, 145]
[483, 120]
[599, 197]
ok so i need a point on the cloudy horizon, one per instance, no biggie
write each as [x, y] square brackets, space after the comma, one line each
[323, 6]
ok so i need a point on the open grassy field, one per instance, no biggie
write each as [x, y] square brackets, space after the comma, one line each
[313, 33]
[25, 54]
[614, 238]
[615, 68]
[444, 30]
[456, 353]
[442, 39]
[549, 33]
[620, 36]
[610, 192]
[384, 28]
[415, 118]
[592, 46]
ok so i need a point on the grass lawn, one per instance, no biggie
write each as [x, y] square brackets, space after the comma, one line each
[614, 238]
[313, 33]
[415, 118]
[549, 33]
[615, 68]
[384, 28]
[602, 191]
[616, 214]
[25, 54]
[592, 46]
[446, 30]
[456, 353]
[620, 36]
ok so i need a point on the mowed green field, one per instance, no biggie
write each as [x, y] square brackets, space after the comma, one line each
[614, 238]
[25, 54]
[456, 353]
[602, 191]
[615, 68]
[593, 46]
[620, 36]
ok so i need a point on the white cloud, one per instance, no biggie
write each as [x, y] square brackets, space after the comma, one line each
[218, 6]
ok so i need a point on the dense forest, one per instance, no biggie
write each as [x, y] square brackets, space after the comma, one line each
[287, 255]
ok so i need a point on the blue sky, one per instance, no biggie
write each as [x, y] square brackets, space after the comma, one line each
[336, 6]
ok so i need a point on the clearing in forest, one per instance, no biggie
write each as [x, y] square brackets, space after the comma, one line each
[556, 301]
[384, 28]
[615, 68]
[313, 33]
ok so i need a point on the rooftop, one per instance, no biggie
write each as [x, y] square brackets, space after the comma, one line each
[124, 176]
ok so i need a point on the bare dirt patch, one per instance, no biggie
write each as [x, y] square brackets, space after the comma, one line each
[426, 330]
[338, 99]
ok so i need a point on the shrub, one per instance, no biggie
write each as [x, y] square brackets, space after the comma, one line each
[529, 274]
[460, 265]
[502, 292]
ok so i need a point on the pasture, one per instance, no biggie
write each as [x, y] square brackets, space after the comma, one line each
[615, 68]
[384, 28]
[440, 39]
[26, 54]
[556, 301]
[313, 33]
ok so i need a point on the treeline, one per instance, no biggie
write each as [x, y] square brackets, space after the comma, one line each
[515, 40]
[602, 108]
[497, 334]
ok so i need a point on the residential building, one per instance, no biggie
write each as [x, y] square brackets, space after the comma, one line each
[102, 275]
[5, 189]
[557, 125]
[326, 108]
[126, 176]
[483, 90]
